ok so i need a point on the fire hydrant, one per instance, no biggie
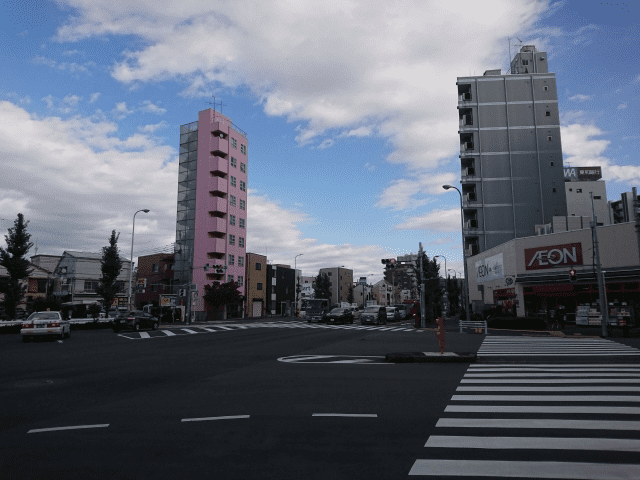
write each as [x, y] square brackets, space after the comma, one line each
[440, 333]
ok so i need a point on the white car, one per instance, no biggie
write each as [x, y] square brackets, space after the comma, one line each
[393, 313]
[45, 323]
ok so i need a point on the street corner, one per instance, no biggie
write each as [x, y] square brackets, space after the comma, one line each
[431, 357]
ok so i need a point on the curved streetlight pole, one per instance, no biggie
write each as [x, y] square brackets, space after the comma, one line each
[133, 231]
[295, 272]
[464, 260]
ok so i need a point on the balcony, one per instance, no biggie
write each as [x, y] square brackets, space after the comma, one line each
[466, 147]
[469, 172]
[217, 184]
[217, 225]
[466, 120]
[471, 250]
[219, 146]
[469, 224]
[218, 165]
[465, 97]
[469, 197]
[216, 245]
[217, 205]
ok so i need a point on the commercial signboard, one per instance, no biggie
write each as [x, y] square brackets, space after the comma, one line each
[504, 294]
[553, 256]
[490, 268]
[582, 174]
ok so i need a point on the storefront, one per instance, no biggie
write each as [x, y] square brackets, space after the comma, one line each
[531, 275]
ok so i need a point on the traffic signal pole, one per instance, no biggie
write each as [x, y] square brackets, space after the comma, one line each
[423, 322]
[604, 309]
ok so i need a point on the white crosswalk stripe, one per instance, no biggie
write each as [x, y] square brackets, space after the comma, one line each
[275, 325]
[495, 346]
[524, 431]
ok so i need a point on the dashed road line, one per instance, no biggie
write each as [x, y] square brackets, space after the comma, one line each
[74, 427]
[204, 419]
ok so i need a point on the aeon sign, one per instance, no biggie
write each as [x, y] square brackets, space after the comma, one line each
[553, 256]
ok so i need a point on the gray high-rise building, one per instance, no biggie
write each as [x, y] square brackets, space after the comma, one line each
[510, 152]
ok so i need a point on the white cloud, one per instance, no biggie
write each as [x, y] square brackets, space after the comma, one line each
[94, 97]
[358, 132]
[401, 194]
[70, 53]
[581, 98]
[68, 66]
[328, 66]
[153, 128]
[121, 111]
[369, 167]
[622, 106]
[149, 107]
[22, 99]
[434, 221]
[326, 143]
[75, 180]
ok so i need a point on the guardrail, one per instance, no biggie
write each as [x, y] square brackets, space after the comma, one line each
[73, 321]
[474, 324]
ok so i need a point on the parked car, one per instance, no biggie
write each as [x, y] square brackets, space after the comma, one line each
[340, 315]
[404, 310]
[356, 312]
[393, 314]
[44, 324]
[374, 314]
[135, 320]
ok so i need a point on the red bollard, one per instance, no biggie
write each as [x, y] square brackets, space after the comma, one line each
[440, 333]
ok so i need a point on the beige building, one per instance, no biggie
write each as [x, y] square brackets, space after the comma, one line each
[531, 274]
[382, 293]
[256, 286]
[340, 279]
[39, 284]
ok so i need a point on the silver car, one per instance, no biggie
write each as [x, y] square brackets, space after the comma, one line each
[393, 314]
[44, 324]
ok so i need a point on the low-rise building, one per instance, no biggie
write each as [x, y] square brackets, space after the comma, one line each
[256, 285]
[38, 284]
[280, 289]
[340, 279]
[383, 293]
[155, 279]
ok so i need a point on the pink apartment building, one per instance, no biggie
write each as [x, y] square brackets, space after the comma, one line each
[211, 225]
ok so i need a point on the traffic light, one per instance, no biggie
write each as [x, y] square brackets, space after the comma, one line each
[389, 262]
[182, 292]
[572, 275]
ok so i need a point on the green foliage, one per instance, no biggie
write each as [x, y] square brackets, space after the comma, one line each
[453, 291]
[94, 310]
[222, 294]
[433, 290]
[350, 295]
[51, 302]
[110, 266]
[13, 259]
[322, 287]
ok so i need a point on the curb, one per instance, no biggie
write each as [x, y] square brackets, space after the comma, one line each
[432, 357]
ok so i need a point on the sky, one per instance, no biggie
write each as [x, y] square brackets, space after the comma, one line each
[349, 107]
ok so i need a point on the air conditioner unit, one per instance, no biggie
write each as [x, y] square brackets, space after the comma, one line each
[471, 196]
[469, 172]
[472, 223]
[468, 145]
[466, 96]
[467, 120]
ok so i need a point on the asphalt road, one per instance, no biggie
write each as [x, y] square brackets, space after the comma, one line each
[290, 401]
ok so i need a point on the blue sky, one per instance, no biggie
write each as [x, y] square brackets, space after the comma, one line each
[350, 109]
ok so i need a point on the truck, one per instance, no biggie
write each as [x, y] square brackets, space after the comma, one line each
[316, 309]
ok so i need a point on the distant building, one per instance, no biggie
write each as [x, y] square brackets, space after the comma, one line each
[39, 284]
[580, 183]
[621, 211]
[256, 285]
[362, 289]
[280, 289]
[155, 279]
[340, 279]
[382, 293]
[46, 262]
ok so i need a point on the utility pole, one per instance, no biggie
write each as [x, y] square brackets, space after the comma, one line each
[604, 311]
[636, 215]
[423, 323]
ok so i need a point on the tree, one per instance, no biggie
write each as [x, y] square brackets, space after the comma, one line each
[322, 287]
[453, 290]
[94, 310]
[110, 266]
[13, 259]
[350, 295]
[222, 294]
[433, 289]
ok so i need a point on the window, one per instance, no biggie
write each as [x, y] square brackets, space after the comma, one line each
[243, 186]
[90, 286]
[273, 289]
[571, 189]
[597, 197]
[258, 266]
[600, 224]
[578, 190]
[549, 138]
[259, 286]
[232, 201]
[547, 114]
[329, 273]
[525, 62]
[232, 239]
[551, 163]
[229, 278]
[233, 162]
[241, 241]
[232, 220]
[554, 190]
[232, 259]
[240, 280]
[241, 261]
[242, 223]
[154, 287]
[233, 181]
[545, 88]
[243, 148]
[242, 203]
[154, 267]
[243, 167]
[234, 143]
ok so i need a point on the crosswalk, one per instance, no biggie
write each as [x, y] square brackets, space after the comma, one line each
[571, 421]
[512, 346]
[245, 326]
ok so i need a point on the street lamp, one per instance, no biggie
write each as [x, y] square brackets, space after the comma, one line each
[133, 231]
[295, 272]
[464, 261]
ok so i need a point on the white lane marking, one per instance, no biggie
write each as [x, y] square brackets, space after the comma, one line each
[546, 398]
[189, 331]
[589, 388]
[583, 369]
[169, 333]
[144, 335]
[75, 427]
[528, 374]
[203, 419]
[438, 354]
[520, 469]
[545, 443]
[209, 330]
[362, 360]
[550, 380]
[124, 336]
[370, 415]
[553, 423]
[564, 365]
[295, 358]
[541, 409]
[223, 328]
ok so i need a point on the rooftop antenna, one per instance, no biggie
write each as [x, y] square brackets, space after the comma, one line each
[36, 246]
[216, 103]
